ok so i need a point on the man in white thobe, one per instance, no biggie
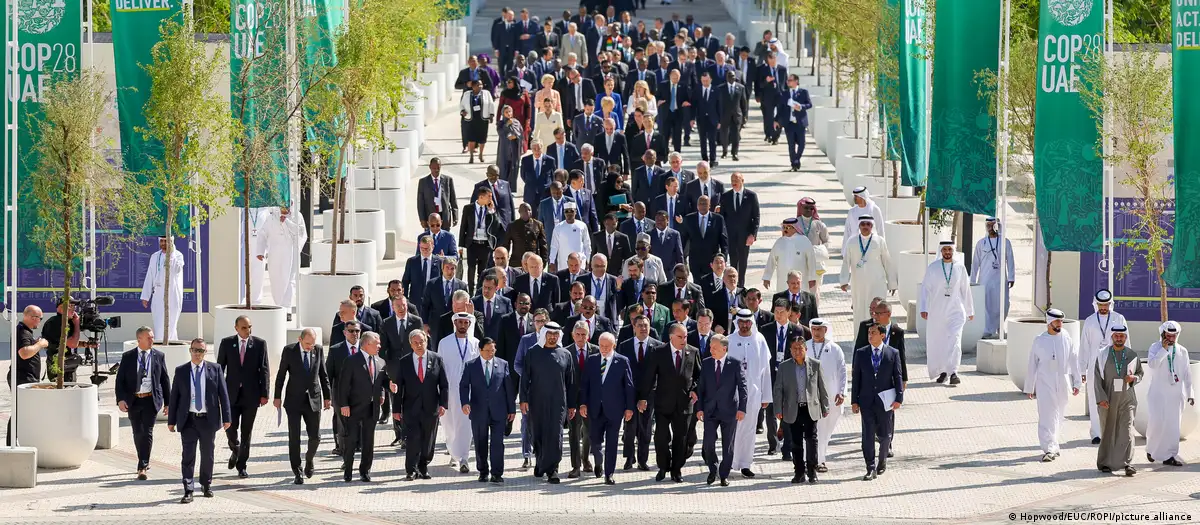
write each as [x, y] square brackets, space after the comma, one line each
[570, 236]
[792, 252]
[1094, 337]
[810, 225]
[863, 206]
[833, 371]
[748, 346]
[283, 233]
[946, 305]
[154, 289]
[1170, 388]
[456, 349]
[258, 219]
[1053, 372]
[985, 269]
[867, 269]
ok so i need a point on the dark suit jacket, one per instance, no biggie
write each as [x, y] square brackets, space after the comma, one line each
[718, 302]
[600, 325]
[127, 382]
[866, 382]
[783, 113]
[659, 203]
[721, 401]
[570, 153]
[628, 348]
[703, 346]
[622, 249]
[894, 338]
[630, 292]
[770, 332]
[620, 152]
[216, 399]
[369, 317]
[707, 110]
[246, 381]
[542, 41]
[503, 197]
[609, 308]
[547, 290]
[691, 192]
[393, 336]
[464, 75]
[632, 78]
[419, 399]
[444, 243]
[536, 183]
[357, 389]
[646, 187]
[413, 281]
[672, 388]
[585, 202]
[638, 147]
[338, 353]
[510, 338]
[565, 281]
[501, 307]
[742, 222]
[599, 172]
[808, 306]
[566, 93]
[585, 128]
[668, 293]
[489, 401]
[734, 107]
[492, 225]
[610, 396]
[702, 248]
[629, 228]
[425, 200]
[305, 388]
[769, 93]
[436, 302]
[669, 248]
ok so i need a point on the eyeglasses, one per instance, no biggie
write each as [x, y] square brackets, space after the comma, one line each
[353, 331]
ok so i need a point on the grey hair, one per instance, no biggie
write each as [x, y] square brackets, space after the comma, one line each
[369, 337]
[793, 273]
[417, 332]
[142, 330]
[460, 295]
[347, 302]
[720, 339]
[608, 336]
[580, 324]
[307, 332]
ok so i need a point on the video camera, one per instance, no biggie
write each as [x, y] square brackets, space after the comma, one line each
[89, 314]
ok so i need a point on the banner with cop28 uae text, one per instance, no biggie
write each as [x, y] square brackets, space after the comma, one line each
[258, 87]
[962, 154]
[49, 43]
[1184, 270]
[1068, 169]
[135, 31]
[914, 97]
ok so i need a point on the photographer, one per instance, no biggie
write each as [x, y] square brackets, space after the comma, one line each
[52, 333]
[28, 365]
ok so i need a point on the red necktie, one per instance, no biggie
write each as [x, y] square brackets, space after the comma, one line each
[678, 361]
[242, 352]
[421, 369]
[371, 367]
[641, 351]
[581, 360]
[718, 374]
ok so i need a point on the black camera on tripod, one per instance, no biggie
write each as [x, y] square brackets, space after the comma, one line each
[89, 314]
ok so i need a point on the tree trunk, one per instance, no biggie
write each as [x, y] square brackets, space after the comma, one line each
[64, 329]
[166, 298]
[338, 228]
[1162, 286]
[246, 236]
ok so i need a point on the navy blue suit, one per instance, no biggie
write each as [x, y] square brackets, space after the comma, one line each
[143, 411]
[501, 306]
[548, 290]
[794, 131]
[609, 308]
[681, 209]
[491, 402]
[720, 398]
[436, 301]
[702, 247]
[866, 383]
[672, 122]
[413, 281]
[502, 195]
[607, 399]
[645, 186]
[194, 428]
[537, 182]
[668, 246]
[570, 153]
[444, 243]
[586, 208]
[638, 429]
[707, 114]
[768, 95]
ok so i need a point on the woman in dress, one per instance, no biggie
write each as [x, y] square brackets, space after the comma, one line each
[608, 109]
[641, 98]
[511, 138]
[486, 62]
[512, 95]
[610, 90]
[633, 125]
[547, 93]
[544, 124]
[640, 36]
[476, 109]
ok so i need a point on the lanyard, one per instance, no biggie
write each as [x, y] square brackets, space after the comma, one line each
[1119, 364]
[887, 337]
[993, 247]
[819, 351]
[863, 249]
[806, 228]
[1171, 360]
[947, 275]
[462, 349]
[598, 286]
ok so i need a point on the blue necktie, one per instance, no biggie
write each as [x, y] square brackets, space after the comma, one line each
[307, 366]
[876, 357]
[196, 388]
[446, 296]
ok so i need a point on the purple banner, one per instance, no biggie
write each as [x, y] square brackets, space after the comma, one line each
[1136, 292]
[123, 280]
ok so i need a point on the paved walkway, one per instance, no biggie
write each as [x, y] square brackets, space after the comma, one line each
[964, 455]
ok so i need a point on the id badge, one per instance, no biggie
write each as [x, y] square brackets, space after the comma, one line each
[1118, 384]
[477, 108]
[779, 357]
[995, 266]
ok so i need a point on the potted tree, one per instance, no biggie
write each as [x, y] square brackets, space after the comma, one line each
[70, 173]
[188, 119]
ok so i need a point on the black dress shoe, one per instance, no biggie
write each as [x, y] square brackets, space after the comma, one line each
[609, 481]
[598, 471]
[735, 158]
[587, 466]
[712, 476]
[536, 472]
[797, 479]
[747, 473]
[497, 479]
[366, 478]
[770, 451]
[347, 477]
[187, 498]
[870, 475]
[724, 482]
[232, 462]
[299, 480]
[1130, 471]
[758, 430]
[954, 380]
[643, 467]
[880, 469]
[662, 474]
[396, 442]
[574, 473]
[628, 464]
[463, 468]
[1149, 458]
[1173, 462]
[812, 478]
[141, 476]
[1095, 441]
[786, 457]
[337, 451]
[483, 478]
[822, 468]
[677, 477]
[891, 454]
[553, 480]
[409, 477]
[424, 475]
[941, 378]
[242, 473]
[308, 470]
[714, 163]
[206, 491]
[525, 465]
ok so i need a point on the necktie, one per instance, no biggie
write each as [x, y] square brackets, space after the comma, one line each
[196, 388]
[603, 367]
[421, 369]
[242, 352]
[353, 350]
[703, 225]
[704, 188]
[704, 346]
[781, 341]
[142, 365]
[488, 310]
[535, 287]
[425, 268]
[581, 360]
[678, 361]
[446, 295]
[479, 216]
[521, 327]
[795, 298]
[371, 367]
[706, 94]
[641, 351]
[718, 374]
[487, 374]
[876, 357]
[537, 167]
[731, 90]
[589, 323]
[737, 199]
[673, 106]
[610, 242]
[670, 208]
[560, 154]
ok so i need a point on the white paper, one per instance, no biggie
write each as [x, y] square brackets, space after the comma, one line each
[794, 104]
[1118, 384]
[525, 85]
[888, 397]
[278, 417]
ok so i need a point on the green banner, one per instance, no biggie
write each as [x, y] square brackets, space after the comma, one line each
[258, 80]
[135, 31]
[49, 48]
[914, 97]
[887, 84]
[1068, 171]
[320, 21]
[962, 154]
[1184, 270]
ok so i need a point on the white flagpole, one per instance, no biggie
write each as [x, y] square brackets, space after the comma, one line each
[11, 183]
[90, 227]
[1110, 192]
[1002, 121]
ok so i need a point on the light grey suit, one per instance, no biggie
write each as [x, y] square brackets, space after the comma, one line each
[787, 392]
[579, 47]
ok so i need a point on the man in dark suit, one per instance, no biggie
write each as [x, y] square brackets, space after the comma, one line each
[244, 360]
[362, 312]
[739, 207]
[612, 146]
[546, 65]
[679, 315]
[637, 350]
[713, 280]
[575, 92]
[395, 288]
[701, 337]
[547, 41]
[587, 125]
[720, 404]
[487, 394]
[498, 31]
[492, 305]
[665, 242]
[613, 244]
[702, 185]
[435, 194]
[199, 406]
[307, 394]
[421, 396]
[796, 295]
[444, 243]
[672, 203]
[594, 170]
[473, 73]
[142, 386]
[541, 287]
[777, 333]
[526, 31]
[438, 291]
[792, 117]
[893, 336]
[674, 97]
[599, 284]
[768, 92]
[419, 270]
[537, 171]
[671, 373]
[596, 324]
[564, 153]
[360, 390]
[735, 108]
[876, 370]
[681, 289]
[641, 72]
[394, 340]
[726, 300]
[569, 307]
[567, 277]
[705, 235]
[648, 180]
[338, 353]
[578, 430]
[631, 289]
[707, 113]
[585, 200]
[607, 387]
[480, 231]
[344, 315]
[502, 195]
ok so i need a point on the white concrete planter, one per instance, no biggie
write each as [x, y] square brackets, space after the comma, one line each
[900, 208]
[904, 235]
[409, 140]
[857, 164]
[267, 322]
[430, 93]
[973, 330]
[392, 202]
[876, 185]
[1021, 333]
[845, 146]
[389, 176]
[358, 256]
[821, 117]
[362, 178]
[448, 73]
[367, 223]
[414, 121]
[833, 129]
[316, 292]
[453, 60]
[63, 425]
[1190, 420]
[912, 266]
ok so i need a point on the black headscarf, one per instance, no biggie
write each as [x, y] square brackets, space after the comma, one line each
[513, 93]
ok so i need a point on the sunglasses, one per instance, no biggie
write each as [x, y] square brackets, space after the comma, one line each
[354, 331]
